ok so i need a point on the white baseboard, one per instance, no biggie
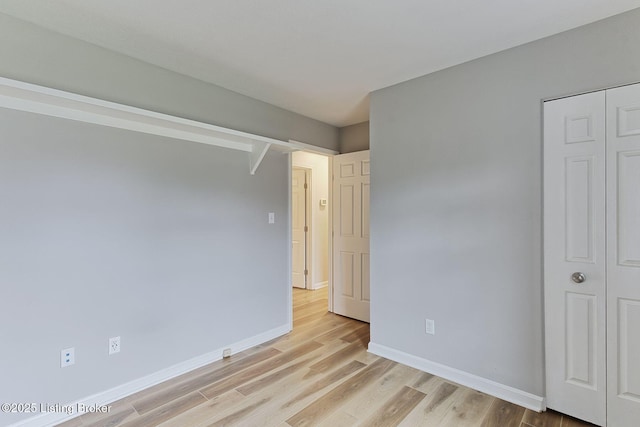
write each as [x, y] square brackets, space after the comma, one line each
[104, 398]
[501, 391]
[320, 285]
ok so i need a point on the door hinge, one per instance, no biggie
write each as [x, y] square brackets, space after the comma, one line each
[305, 185]
[306, 272]
[306, 228]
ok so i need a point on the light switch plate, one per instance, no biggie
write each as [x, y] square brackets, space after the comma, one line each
[430, 326]
[272, 217]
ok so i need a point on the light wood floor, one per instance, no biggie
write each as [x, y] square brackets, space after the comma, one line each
[318, 375]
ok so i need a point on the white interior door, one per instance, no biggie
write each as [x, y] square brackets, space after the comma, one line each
[574, 243]
[623, 248]
[351, 235]
[299, 225]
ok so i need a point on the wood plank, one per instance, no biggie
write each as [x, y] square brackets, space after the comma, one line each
[443, 392]
[207, 411]
[234, 418]
[168, 411]
[396, 408]
[503, 414]
[543, 419]
[431, 410]
[113, 418]
[73, 422]
[168, 394]
[310, 306]
[277, 410]
[261, 383]
[392, 382]
[336, 358]
[568, 421]
[313, 317]
[209, 368]
[335, 333]
[297, 337]
[469, 411]
[326, 381]
[310, 313]
[361, 334]
[240, 378]
[339, 419]
[306, 295]
[331, 401]
[423, 380]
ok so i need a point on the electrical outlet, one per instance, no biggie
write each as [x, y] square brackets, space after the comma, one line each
[226, 353]
[67, 357]
[272, 217]
[430, 326]
[114, 345]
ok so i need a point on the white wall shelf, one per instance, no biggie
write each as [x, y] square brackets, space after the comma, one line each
[32, 98]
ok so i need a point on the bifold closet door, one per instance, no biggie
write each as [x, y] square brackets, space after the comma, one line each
[592, 255]
[574, 256]
[623, 253]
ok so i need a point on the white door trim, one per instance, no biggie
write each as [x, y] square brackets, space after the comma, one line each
[289, 281]
[330, 231]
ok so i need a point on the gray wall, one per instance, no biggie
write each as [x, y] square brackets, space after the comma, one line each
[354, 138]
[456, 225]
[106, 232]
[39, 56]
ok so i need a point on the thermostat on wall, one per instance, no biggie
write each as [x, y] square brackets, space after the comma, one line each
[323, 202]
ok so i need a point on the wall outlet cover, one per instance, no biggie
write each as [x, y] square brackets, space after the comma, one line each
[114, 345]
[67, 357]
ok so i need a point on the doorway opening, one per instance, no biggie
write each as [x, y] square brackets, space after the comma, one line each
[310, 217]
[329, 229]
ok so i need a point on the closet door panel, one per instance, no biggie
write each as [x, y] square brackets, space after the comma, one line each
[574, 242]
[623, 253]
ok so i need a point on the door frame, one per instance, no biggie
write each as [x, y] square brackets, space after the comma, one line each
[329, 154]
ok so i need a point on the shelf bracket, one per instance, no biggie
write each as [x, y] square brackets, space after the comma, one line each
[258, 151]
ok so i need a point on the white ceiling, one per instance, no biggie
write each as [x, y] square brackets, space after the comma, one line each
[319, 58]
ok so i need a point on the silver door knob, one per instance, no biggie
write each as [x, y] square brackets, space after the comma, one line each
[578, 277]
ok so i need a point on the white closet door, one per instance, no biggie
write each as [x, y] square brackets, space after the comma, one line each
[574, 245]
[623, 248]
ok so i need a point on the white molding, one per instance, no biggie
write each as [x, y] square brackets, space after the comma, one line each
[289, 282]
[17, 95]
[501, 391]
[320, 285]
[108, 396]
[330, 236]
